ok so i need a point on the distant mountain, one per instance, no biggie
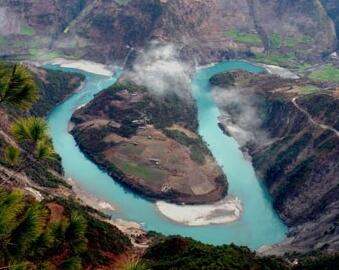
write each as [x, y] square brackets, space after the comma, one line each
[204, 30]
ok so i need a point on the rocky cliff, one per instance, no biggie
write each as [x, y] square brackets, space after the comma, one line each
[205, 31]
[292, 137]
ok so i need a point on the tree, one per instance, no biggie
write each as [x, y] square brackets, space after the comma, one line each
[73, 263]
[30, 130]
[12, 155]
[31, 133]
[76, 233]
[17, 87]
[31, 227]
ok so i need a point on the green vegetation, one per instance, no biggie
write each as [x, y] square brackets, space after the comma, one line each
[41, 54]
[3, 40]
[142, 171]
[161, 111]
[303, 66]
[197, 155]
[18, 92]
[197, 146]
[123, 2]
[326, 73]
[27, 30]
[31, 133]
[308, 89]
[54, 88]
[224, 79]
[29, 239]
[12, 155]
[17, 87]
[292, 42]
[275, 58]
[275, 41]
[186, 254]
[34, 52]
[246, 38]
[130, 262]
[316, 261]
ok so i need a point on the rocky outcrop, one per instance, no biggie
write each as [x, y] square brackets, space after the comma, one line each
[147, 144]
[294, 147]
[205, 31]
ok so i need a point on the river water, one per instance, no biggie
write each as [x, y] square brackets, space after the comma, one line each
[259, 224]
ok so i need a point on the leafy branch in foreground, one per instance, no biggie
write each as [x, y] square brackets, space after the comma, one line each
[31, 134]
[17, 87]
[30, 240]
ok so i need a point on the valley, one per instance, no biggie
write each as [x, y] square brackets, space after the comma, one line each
[214, 121]
[99, 183]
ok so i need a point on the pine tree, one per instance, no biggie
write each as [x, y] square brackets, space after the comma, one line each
[76, 233]
[17, 87]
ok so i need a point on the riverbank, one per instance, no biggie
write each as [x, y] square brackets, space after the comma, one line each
[84, 65]
[225, 211]
[279, 71]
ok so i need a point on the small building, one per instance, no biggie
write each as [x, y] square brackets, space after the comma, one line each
[155, 160]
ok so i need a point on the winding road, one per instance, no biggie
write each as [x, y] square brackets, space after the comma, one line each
[314, 122]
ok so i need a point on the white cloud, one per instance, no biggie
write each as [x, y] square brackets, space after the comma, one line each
[160, 69]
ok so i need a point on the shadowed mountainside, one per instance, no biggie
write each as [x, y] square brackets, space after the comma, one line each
[205, 31]
[294, 146]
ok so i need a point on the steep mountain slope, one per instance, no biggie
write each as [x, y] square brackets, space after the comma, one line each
[204, 30]
[27, 26]
[292, 136]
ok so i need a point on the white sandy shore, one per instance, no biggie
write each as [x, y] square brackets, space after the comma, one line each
[225, 211]
[84, 65]
[280, 71]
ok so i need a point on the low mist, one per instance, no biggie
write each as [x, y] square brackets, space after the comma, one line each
[239, 112]
[160, 69]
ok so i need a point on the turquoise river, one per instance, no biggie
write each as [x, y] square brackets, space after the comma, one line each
[259, 224]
